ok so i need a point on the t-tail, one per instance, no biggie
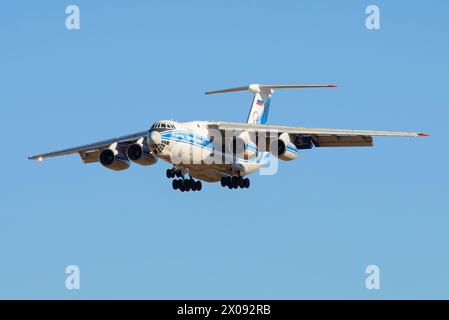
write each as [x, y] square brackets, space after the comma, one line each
[260, 106]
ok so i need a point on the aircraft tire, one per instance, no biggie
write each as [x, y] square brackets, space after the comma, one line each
[192, 184]
[186, 184]
[241, 182]
[235, 182]
[223, 181]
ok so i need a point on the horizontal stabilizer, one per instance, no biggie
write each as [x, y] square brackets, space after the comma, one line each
[268, 87]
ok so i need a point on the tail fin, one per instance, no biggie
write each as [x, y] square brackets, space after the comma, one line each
[258, 113]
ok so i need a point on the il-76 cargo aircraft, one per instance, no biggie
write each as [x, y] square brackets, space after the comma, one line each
[215, 151]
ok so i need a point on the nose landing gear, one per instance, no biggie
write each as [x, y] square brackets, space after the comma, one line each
[173, 172]
[235, 182]
[183, 184]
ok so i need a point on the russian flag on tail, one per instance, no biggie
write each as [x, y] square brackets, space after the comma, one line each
[259, 102]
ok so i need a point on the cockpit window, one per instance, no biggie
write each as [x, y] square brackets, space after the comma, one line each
[163, 125]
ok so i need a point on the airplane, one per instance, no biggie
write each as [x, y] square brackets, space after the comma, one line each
[215, 151]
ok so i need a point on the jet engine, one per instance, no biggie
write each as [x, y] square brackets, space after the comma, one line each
[243, 146]
[283, 148]
[112, 159]
[140, 153]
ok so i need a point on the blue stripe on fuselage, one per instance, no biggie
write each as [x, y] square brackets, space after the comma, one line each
[188, 138]
[205, 143]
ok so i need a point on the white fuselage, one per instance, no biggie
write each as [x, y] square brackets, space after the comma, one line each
[195, 148]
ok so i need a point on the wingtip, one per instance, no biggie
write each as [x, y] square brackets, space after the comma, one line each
[35, 158]
[332, 86]
[423, 134]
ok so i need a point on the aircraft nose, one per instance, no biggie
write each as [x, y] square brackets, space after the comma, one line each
[155, 137]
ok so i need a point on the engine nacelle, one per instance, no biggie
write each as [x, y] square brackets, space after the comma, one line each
[283, 148]
[243, 146]
[140, 153]
[113, 160]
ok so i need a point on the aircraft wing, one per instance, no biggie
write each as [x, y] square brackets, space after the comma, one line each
[320, 137]
[89, 152]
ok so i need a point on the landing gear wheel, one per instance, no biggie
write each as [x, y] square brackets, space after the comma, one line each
[224, 181]
[192, 184]
[178, 174]
[170, 173]
[235, 182]
[186, 184]
[246, 182]
[241, 183]
[229, 183]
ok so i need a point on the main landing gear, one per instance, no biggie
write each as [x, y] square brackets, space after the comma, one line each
[183, 184]
[235, 182]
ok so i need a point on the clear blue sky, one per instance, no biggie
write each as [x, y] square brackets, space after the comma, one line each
[307, 232]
